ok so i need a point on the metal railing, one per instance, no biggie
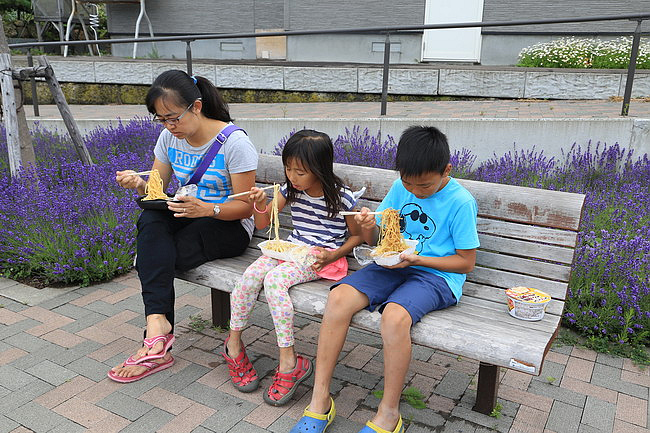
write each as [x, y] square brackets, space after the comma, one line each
[387, 30]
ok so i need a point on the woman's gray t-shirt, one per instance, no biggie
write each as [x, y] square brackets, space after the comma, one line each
[237, 155]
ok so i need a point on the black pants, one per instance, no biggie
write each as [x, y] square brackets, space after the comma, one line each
[166, 244]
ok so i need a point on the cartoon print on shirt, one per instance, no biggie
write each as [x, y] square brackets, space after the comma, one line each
[416, 224]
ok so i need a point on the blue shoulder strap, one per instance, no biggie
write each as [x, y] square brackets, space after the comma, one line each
[212, 152]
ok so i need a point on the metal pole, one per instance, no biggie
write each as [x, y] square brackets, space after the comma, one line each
[188, 57]
[631, 68]
[384, 84]
[32, 81]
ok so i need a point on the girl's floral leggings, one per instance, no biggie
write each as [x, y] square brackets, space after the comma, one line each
[276, 278]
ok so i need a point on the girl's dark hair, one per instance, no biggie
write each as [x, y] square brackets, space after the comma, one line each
[180, 89]
[421, 150]
[315, 152]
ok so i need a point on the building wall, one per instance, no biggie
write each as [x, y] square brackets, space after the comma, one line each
[500, 45]
[318, 14]
[207, 16]
[220, 16]
[185, 17]
[510, 10]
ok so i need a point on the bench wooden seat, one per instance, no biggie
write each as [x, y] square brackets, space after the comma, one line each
[527, 236]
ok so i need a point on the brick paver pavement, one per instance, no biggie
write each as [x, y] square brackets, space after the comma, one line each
[54, 357]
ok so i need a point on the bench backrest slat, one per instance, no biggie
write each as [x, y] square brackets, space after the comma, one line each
[522, 266]
[519, 248]
[527, 232]
[540, 207]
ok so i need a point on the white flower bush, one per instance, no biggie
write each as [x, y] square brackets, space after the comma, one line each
[585, 53]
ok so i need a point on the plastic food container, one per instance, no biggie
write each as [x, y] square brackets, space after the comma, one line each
[391, 259]
[527, 304]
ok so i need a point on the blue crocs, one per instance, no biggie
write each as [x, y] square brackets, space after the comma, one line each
[312, 422]
[371, 427]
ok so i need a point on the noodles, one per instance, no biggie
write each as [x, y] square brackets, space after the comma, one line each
[154, 187]
[291, 251]
[390, 237]
[274, 224]
[279, 246]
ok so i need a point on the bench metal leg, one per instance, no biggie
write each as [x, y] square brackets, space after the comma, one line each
[220, 308]
[488, 386]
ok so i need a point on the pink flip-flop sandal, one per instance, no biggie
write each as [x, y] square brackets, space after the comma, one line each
[167, 340]
[152, 367]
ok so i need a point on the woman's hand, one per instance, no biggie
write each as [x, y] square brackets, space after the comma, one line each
[191, 207]
[258, 197]
[323, 258]
[367, 222]
[129, 180]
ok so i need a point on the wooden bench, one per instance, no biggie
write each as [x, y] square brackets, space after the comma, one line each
[527, 236]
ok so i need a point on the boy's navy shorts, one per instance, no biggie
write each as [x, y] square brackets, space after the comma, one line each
[418, 291]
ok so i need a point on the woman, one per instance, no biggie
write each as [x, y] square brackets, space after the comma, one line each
[198, 229]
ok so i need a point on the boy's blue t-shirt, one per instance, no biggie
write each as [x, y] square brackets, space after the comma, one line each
[442, 223]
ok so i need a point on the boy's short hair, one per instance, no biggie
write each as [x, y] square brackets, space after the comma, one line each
[421, 150]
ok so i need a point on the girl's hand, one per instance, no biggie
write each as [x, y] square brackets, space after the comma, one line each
[190, 207]
[129, 180]
[367, 222]
[257, 196]
[323, 258]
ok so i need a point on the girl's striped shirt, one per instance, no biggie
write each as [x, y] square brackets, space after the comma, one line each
[311, 223]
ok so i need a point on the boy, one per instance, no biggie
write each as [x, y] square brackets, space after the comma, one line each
[437, 211]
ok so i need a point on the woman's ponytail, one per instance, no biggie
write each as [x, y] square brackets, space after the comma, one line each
[214, 107]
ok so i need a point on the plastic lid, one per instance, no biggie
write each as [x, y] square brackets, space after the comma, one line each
[527, 294]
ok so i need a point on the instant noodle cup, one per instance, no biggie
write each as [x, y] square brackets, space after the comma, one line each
[527, 304]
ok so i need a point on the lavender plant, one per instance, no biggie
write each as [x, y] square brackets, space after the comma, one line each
[359, 147]
[609, 292]
[64, 222]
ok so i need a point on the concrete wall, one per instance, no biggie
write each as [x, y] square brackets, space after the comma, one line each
[484, 137]
[223, 49]
[405, 48]
[403, 80]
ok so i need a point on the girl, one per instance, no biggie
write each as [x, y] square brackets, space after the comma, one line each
[316, 195]
[198, 229]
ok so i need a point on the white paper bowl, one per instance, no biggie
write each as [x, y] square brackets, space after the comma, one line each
[393, 259]
[285, 256]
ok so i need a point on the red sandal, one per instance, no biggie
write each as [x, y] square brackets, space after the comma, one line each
[242, 373]
[285, 384]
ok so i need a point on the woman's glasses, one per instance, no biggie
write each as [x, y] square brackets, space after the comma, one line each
[173, 120]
